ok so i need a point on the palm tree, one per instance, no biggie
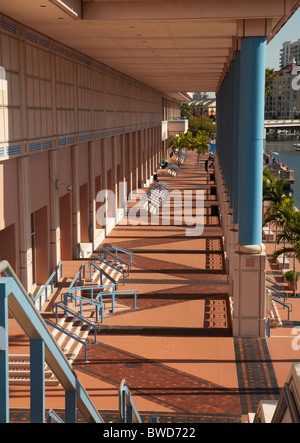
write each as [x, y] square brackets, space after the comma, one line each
[273, 192]
[291, 235]
[279, 212]
[180, 142]
[200, 143]
[186, 110]
[270, 78]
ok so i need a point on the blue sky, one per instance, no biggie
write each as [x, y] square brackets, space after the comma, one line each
[289, 32]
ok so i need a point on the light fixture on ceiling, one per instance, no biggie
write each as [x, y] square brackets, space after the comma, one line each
[72, 8]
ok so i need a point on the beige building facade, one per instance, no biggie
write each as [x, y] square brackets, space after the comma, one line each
[70, 127]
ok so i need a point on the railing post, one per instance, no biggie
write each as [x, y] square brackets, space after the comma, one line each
[113, 303]
[129, 414]
[4, 365]
[37, 380]
[71, 406]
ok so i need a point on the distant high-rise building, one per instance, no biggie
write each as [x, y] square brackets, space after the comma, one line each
[200, 95]
[288, 52]
[284, 101]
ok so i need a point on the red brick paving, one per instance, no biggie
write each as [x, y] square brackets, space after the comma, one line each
[177, 370]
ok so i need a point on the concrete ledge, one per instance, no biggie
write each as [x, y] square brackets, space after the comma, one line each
[283, 263]
[266, 410]
[268, 234]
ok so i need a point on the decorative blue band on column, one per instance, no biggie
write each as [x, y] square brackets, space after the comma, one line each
[251, 139]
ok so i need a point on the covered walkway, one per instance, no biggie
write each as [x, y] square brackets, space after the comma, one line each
[176, 351]
[89, 94]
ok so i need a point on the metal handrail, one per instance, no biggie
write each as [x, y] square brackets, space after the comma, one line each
[99, 306]
[114, 295]
[274, 282]
[53, 417]
[127, 409]
[50, 281]
[118, 249]
[80, 275]
[34, 326]
[285, 305]
[91, 264]
[92, 289]
[279, 293]
[105, 262]
[76, 315]
[69, 334]
[118, 259]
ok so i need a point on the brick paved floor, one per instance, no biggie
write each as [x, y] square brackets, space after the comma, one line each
[176, 350]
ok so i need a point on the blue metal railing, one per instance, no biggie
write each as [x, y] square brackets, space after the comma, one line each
[102, 272]
[99, 308]
[105, 262]
[99, 295]
[114, 256]
[69, 334]
[80, 317]
[127, 410]
[52, 417]
[79, 277]
[114, 296]
[118, 250]
[92, 289]
[288, 306]
[43, 349]
[52, 281]
[285, 305]
[274, 283]
[278, 293]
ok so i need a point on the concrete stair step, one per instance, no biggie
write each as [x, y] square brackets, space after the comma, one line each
[19, 372]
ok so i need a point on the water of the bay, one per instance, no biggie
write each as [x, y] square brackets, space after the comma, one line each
[284, 150]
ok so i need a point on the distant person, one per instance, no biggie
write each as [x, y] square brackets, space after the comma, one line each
[206, 165]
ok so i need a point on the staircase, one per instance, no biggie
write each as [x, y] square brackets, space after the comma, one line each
[19, 372]
[72, 331]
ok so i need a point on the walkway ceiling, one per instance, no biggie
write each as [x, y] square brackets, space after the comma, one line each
[171, 45]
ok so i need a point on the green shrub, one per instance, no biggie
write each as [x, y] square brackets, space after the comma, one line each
[289, 275]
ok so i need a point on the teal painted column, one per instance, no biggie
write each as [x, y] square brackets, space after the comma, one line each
[230, 130]
[37, 381]
[225, 131]
[251, 139]
[4, 367]
[235, 135]
[221, 138]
